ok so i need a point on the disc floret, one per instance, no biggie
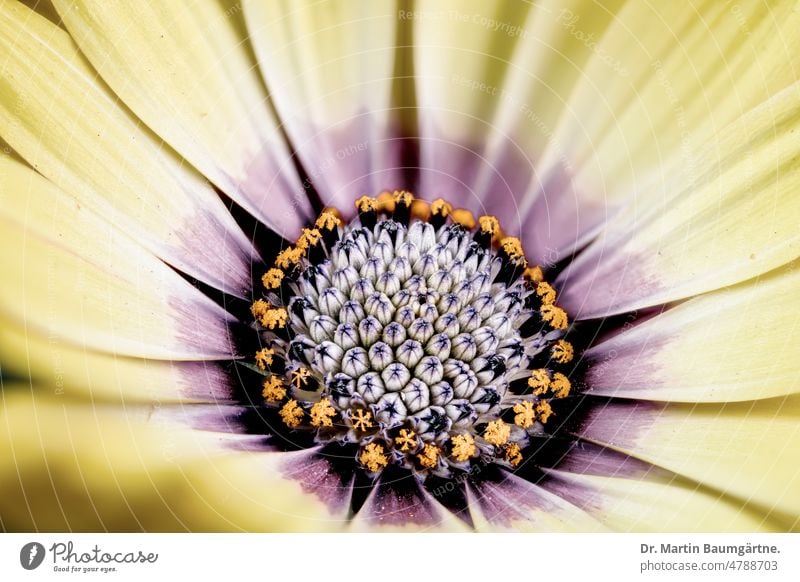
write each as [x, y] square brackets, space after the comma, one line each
[414, 332]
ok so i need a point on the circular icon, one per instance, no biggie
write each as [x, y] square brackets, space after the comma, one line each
[31, 555]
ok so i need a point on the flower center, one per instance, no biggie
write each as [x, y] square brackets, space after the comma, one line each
[414, 332]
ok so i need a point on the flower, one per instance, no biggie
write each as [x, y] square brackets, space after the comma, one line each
[619, 185]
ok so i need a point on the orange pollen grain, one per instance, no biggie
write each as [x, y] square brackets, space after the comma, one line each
[539, 381]
[403, 197]
[526, 414]
[546, 293]
[563, 352]
[329, 219]
[463, 447]
[555, 316]
[513, 454]
[442, 207]
[489, 224]
[322, 412]
[544, 411]
[429, 456]
[421, 210]
[272, 278]
[273, 389]
[291, 413]
[464, 218]
[406, 441]
[385, 202]
[264, 358]
[560, 385]
[497, 432]
[366, 204]
[373, 458]
[534, 274]
[274, 318]
[309, 238]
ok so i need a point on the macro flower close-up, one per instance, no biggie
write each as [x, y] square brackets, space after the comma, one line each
[418, 266]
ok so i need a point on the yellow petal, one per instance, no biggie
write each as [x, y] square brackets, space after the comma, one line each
[463, 55]
[69, 466]
[56, 114]
[630, 505]
[739, 343]
[330, 67]
[463, 52]
[83, 282]
[737, 221]
[750, 450]
[185, 71]
[663, 79]
[77, 372]
[556, 42]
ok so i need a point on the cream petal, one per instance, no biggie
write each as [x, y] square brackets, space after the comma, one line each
[661, 82]
[735, 344]
[748, 450]
[329, 67]
[68, 466]
[77, 372]
[654, 505]
[737, 221]
[403, 505]
[500, 77]
[205, 99]
[463, 53]
[56, 114]
[317, 475]
[82, 281]
[514, 504]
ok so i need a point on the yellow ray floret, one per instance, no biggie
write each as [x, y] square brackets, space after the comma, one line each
[463, 447]
[273, 389]
[322, 412]
[555, 316]
[373, 457]
[272, 278]
[526, 415]
[291, 414]
[497, 432]
[264, 358]
[563, 352]
[406, 441]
